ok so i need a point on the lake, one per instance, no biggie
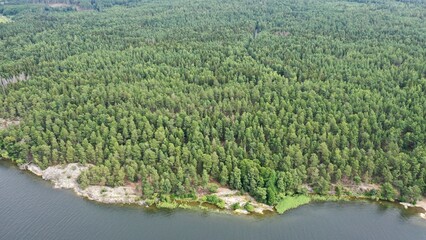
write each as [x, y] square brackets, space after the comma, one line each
[31, 209]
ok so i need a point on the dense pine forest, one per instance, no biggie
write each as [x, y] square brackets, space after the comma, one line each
[266, 97]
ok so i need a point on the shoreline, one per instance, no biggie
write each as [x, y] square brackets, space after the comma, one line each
[65, 177]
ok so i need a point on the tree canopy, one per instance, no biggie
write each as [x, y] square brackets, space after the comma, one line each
[262, 96]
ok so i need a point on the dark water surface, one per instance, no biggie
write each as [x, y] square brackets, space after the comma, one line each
[31, 209]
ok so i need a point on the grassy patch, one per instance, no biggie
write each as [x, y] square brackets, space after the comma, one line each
[325, 198]
[167, 205]
[184, 206]
[291, 202]
[4, 19]
[215, 200]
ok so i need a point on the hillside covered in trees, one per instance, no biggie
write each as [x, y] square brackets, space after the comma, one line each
[265, 97]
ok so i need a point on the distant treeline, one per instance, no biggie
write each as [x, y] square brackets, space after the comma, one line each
[15, 6]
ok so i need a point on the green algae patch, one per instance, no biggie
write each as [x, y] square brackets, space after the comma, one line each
[291, 202]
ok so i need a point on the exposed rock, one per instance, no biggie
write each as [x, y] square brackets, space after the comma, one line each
[406, 205]
[420, 204]
[34, 169]
[66, 177]
[365, 187]
[241, 211]
[361, 188]
[123, 195]
[230, 197]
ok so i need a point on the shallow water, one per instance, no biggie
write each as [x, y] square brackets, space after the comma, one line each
[31, 209]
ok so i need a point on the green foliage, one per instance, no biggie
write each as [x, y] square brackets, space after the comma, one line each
[4, 19]
[166, 205]
[212, 187]
[291, 202]
[322, 186]
[387, 192]
[150, 201]
[185, 206]
[412, 194]
[373, 194]
[83, 180]
[338, 190]
[165, 198]
[235, 206]
[215, 200]
[263, 98]
[249, 207]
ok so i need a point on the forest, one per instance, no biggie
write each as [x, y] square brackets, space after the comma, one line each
[267, 97]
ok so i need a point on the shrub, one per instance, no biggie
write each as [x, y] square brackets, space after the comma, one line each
[235, 206]
[212, 187]
[213, 199]
[249, 207]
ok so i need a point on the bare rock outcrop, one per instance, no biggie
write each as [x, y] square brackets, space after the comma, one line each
[231, 197]
[65, 176]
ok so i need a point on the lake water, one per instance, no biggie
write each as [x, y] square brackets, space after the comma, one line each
[31, 209]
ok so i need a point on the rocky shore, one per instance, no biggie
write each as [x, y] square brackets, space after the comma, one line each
[65, 177]
[231, 197]
[419, 204]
